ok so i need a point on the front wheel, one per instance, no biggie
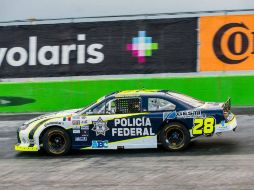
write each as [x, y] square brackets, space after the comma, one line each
[56, 141]
[174, 137]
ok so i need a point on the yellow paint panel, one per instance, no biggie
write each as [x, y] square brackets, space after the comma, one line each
[136, 92]
[26, 148]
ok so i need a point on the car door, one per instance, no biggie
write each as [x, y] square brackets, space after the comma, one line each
[130, 127]
[90, 128]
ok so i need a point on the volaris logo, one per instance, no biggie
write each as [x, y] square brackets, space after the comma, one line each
[142, 46]
[52, 55]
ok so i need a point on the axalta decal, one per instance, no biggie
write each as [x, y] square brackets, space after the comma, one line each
[227, 43]
[183, 114]
[189, 114]
[52, 54]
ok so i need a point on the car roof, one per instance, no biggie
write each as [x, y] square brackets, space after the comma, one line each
[138, 93]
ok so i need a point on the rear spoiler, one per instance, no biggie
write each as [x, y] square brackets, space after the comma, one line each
[227, 105]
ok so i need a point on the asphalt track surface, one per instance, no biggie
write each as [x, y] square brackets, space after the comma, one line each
[220, 162]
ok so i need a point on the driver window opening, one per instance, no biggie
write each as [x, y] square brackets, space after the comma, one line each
[123, 106]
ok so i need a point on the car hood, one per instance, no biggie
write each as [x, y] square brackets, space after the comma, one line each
[53, 115]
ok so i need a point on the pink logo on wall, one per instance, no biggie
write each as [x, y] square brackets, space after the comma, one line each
[142, 46]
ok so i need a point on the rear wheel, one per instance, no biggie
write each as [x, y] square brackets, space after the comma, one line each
[175, 137]
[56, 141]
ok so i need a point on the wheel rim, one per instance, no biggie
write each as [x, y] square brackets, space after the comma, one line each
[56, 142]
[174, 137]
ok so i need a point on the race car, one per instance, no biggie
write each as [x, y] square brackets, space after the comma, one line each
[132, 119]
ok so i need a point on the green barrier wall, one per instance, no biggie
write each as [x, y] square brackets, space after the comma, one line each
[60, 95]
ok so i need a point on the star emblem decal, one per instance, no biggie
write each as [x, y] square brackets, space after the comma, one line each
[100, 127]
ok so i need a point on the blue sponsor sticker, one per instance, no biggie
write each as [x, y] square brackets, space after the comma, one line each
[80, 139]
[171, 115]
[85, 127]
[99, 144]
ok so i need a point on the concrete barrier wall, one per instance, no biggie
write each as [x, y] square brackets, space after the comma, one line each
[60, 95]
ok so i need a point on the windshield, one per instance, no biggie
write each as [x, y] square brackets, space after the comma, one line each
[86, 108]
[91, 105]
[187, 99]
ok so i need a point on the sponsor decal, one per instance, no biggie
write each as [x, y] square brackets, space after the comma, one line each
[76, 131]
[76, 127]
[172, 115]
[222, 127]
[142, 46]
[138, 122]
[100, 127]
[189, 114]
[84, 133]
[80, 139]
[68, 118]
[99, 144]
[76, 117]
[227, 43]
[53, 123]
[75, 122]
[133, 132]
[83, 122]
[86, 127]
[132, 127]
[164, 115]
[182, 114]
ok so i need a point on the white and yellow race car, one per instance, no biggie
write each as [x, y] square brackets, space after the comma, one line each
[127, 120]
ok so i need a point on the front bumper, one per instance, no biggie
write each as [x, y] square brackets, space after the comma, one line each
[28, 148]
[24, 143]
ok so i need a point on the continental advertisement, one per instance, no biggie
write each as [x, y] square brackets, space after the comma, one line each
[227, 43]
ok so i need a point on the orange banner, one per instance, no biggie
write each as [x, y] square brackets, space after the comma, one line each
[226, 43]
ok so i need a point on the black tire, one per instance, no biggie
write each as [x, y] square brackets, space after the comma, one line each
[56, 141]
[174, 137]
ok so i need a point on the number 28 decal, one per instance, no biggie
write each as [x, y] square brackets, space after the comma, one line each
[203, 126]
